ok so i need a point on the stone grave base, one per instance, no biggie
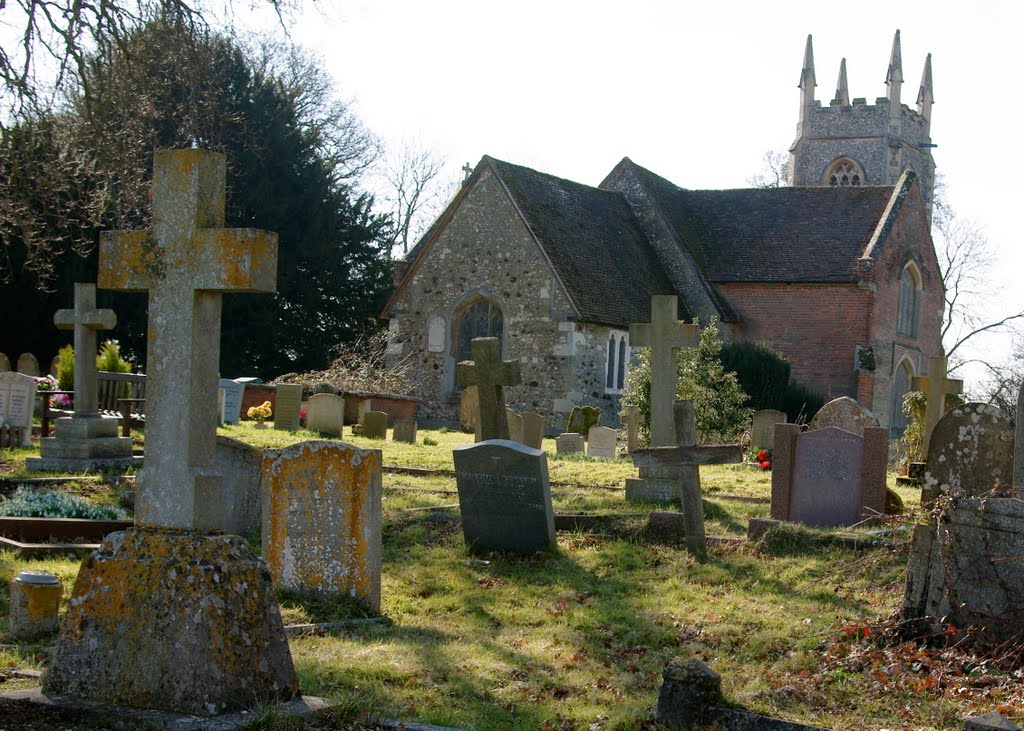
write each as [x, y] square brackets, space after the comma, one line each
[174, 621]
[83, 445]
[299, 707]
[655, 485]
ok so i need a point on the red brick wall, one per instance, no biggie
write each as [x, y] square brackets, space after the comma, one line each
[816, 327]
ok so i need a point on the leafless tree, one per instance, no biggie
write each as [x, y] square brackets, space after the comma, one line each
[774, 171]
[415, 191]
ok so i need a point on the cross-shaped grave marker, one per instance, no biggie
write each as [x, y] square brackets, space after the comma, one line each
[664, 335]
[185, 262]
[686, 457]
[85, 320]
[936, 387]
[489, 373]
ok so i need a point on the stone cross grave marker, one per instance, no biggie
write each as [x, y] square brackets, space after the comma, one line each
[287, 406]
[664, 335]
[85, 320]
[686, 457]
[489, 374]
[28, 364]
[630, 417]
[17, 402]
[601, 442]
[186, 262]
[504, 497]
[935, 387]
[828, 477]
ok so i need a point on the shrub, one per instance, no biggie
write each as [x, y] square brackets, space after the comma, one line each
[764, 375]
[800, 403]
[66, 368]
[26, 503]
[108, 359]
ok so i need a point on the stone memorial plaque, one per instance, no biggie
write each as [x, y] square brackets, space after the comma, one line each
[321, 504]
[17, 402]
[843, 413]
[601, 442]
[375, 425]
[28, 364]
[233, 392]
[828, 477]
[762, 433]
[504, 497]
[533, 430]
[971, 449]
[325, 413]
[288, 404]
[569, 443]
[404, 431]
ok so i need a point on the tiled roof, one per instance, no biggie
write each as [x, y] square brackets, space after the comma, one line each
[594, 242]
[772, 234]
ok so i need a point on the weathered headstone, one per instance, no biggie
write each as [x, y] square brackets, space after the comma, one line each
[685, 459]
[167, 595]
[971, 449]
[5, 363]
[221, 398]
[828, 477]
[375, 425]
[504, 497]
[664, 335]
[86, 440]
[515, 425]
[533, 430]
[582, 419]
[965, 568]
[233, 393]
[325, 413]
[762, 433]
[287, 406]
[601, 442]
[239, 464]
[469, 411]
[569, 443]
[54, 365]
[28, 364]
[630, 417]
[404, 431]
[489, 374]
[936, 387]
[322, 518]
[17, 402]
[363, 407]
[843, 413]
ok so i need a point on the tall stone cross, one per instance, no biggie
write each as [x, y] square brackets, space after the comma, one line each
[935, 386]
[185, 261]
[489, 373]
[664, 335]
[85, 320]
[686, 457]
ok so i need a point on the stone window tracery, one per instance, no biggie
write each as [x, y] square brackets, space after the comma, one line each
[844, 173]
[480, 318]
[908, 315]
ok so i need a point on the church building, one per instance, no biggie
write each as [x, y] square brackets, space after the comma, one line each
[836, 271]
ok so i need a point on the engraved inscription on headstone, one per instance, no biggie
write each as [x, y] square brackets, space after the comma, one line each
[288, 404]
[17, 402]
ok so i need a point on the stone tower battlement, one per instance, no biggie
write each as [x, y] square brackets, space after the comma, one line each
[855, 143]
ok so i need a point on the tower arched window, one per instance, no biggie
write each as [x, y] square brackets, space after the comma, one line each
[478, 318]
[844, 173]
[901, 382]
[616, 361]
[908, 315]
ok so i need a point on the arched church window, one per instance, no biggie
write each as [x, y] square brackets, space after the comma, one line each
[901, 382]
[907, 316]
[615, 361]
[844, 173]
[480, 318]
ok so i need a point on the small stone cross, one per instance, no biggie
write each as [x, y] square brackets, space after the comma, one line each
[664, 335]
[185, 262]
[468, 170]
[630, 417]
[489, 373]
[687, 456]
[935, 386]
[85, 320]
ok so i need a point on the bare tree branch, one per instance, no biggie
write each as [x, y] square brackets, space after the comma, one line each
[415, 191]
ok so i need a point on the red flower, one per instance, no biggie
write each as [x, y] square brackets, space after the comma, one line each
[766, 465]
[763, 456]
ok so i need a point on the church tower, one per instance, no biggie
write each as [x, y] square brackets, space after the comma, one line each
[855, 143]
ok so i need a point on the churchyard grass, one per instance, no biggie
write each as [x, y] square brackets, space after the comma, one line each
[577, 637]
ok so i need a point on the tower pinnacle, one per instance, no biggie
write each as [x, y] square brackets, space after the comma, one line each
[894, 77]
[842, 88]
[925, 97]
